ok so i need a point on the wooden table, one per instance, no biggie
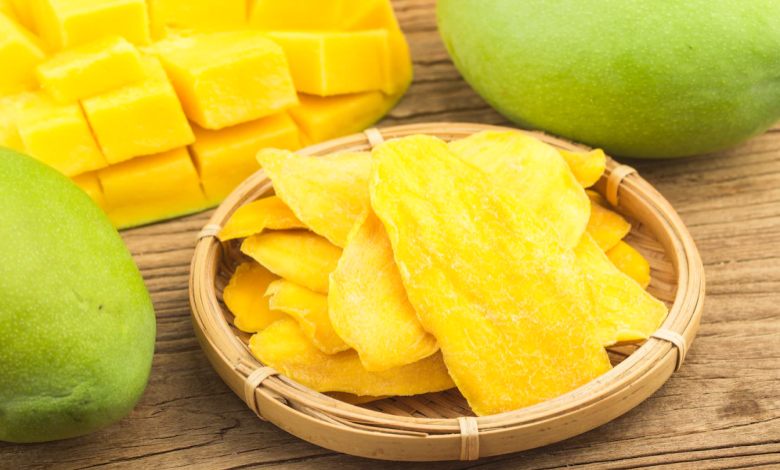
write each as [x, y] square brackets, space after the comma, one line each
[722, 410]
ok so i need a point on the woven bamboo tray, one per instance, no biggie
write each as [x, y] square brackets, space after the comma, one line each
[440, 426]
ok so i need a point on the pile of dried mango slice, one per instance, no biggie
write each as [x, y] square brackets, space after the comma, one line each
[421, 266]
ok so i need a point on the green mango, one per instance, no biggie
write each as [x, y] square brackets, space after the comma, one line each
[77, 327]
[638, 78]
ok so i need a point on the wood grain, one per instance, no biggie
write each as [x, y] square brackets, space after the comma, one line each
[722, 410]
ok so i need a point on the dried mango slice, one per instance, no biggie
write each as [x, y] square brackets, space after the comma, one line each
[535, 173]
[329, 194]
[630, 262]
[625, 312]
[368, 305]
[300, 256]
[587, 167]
[606, 227]
[596, 198]
[245, 297]
[506, 301]
[267, 213]
[284, 347]
[310, 309]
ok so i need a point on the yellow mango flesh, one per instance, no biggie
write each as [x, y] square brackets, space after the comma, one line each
[368, 304]
[534, 173]
[91, 185]
[300, 256]
[229, 78]
[507, 303]
[226, 157]
[606, 227]
[298, 15]
[587, 167]
[7, 9]
[139, 119]
[324, 118]
[9, 129]
[67, 23]
[284, 347]
[329, 194]
[245, 297]
[326, 63]
[625, 312]
[58, 134]
[22, 13]
[201, 16]
[90, 69]
[630, 262]
[267, 213]
[20, 53]
[370, 14]
[310, 310]
[151, 188]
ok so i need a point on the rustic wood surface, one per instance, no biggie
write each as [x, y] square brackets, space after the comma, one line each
[722, 410]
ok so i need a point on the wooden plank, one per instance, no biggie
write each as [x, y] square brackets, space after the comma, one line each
[722, 410]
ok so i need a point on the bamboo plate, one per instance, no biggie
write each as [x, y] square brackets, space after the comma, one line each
[440, 426]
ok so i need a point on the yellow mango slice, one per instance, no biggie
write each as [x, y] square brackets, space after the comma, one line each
[266, 213]
[587, 167]
[20, 52]
[22, 13]
[142, 118]
[298, 255]
[151, 188]
[226, 157]
[245, 297]
[91, 185]
[90, 69]
[298, 15]
[534, 173]
[625, 311]
[7, 9]
[329, 194]
[201, 16]
[284, 347]
[58, 135]
[370, 14]
[325, 64]
[9, 129]
[508, 304]
[630, 262]
[368, 305]
[596, 198]
[606, 227]
[229, 78]
[325, 118]
[67, 23]
[310, 310]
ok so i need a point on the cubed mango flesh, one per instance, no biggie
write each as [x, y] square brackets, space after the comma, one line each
[23, 13]
[229, 78]
[151, 188]
[196, 15]
[7, 9]
[9, 130]
[336, 63]
[67, 23]
[90, 69]
[297, 15]
[226, 157]
[90, 183]
[142, 118]
[369, 14]
[20, 52]
[323, 118]
[58, 134]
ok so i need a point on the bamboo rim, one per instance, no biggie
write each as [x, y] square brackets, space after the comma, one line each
[361, 430]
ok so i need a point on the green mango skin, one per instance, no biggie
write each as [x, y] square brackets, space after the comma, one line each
[638, 78]
[77, 327]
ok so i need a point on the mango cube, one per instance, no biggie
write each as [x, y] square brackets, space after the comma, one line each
[20, 52]
[229, 78]
[90, 183]
[139, 119]
[297, 15]
[9, 130]
[226, 157]
[196, 15]
[151, 188]
[67, 23]
[7, 9]
[58, 135]
[325, 63]
[90, 69]
[321, 119]
[369, 14]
